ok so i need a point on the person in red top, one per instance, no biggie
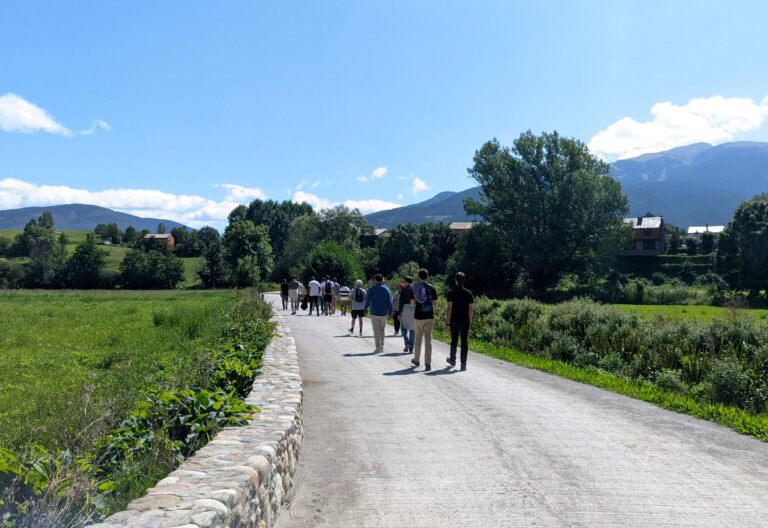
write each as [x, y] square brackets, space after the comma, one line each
[461, 304]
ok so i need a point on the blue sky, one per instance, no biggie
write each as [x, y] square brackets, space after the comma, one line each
[183, 109]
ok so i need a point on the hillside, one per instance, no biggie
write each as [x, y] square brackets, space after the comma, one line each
[80, 217]
[693, 185]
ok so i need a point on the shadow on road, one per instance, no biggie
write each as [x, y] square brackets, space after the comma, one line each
[360, 355]
[403, 372]
[396, 354]
[442, 372]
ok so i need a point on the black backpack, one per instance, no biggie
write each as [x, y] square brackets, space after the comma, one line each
[328, 288]
[359, 295]
[426, 306]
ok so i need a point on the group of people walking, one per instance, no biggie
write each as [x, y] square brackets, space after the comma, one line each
[412, 308]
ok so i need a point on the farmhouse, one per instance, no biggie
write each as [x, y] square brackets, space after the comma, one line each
[649, 236]
[168, 239]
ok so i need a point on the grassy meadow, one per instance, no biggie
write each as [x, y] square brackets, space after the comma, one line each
[679, 313]
[73, 363]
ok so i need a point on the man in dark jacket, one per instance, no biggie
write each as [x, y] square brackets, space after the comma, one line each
[461, 304]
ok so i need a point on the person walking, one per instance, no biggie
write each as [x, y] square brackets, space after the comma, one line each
[327, 296]
[344, 292]
[461, 307]
[405, 315]
[321, 296]
[294, 292]
[335, 295]
[424, 302]
[314, 295]
[284, 293]
[395, 307]
[358, 305]
[379, 300]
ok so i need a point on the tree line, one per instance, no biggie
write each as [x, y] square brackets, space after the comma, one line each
[549, 210]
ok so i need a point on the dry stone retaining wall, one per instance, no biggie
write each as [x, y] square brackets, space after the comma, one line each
[241, 477]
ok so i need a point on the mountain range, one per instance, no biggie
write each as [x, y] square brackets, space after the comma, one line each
[81, 217]
[693, 185]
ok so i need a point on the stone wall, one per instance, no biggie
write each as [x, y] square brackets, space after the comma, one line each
[241, 477]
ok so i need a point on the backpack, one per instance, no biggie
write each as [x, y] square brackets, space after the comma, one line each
[422, 293]
[329, 288]
[359, 295]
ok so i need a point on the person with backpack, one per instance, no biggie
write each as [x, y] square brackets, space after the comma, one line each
[405, 314]
[344, 293]
[321, 295]
[284, 293]
[327, 296]
[461, 304]
[424, 302]
[379, 299]
[358, 305]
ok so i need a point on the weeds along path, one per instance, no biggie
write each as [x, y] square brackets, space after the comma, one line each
[500, 445]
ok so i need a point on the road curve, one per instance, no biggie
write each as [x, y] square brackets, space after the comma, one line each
[500, 446]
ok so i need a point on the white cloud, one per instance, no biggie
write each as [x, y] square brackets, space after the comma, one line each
[301, 184]
[419, 185]
[315, 185]
[19, 115]
[194, 211]
[365, 206]
[377, 173]
[711, 120]
[399, 196]
[238, 192]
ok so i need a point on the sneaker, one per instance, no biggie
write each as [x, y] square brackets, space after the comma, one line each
[361, 333]
[414, 363]
[427, 368]
[352, 330]
[406, 349]
[463, 366]
[451, 362]
[410, 349]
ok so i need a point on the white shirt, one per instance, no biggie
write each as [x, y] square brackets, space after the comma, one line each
[314, 288]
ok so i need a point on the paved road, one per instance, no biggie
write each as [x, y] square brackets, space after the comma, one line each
[500, 445]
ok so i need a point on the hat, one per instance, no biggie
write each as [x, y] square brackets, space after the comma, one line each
[402, 285]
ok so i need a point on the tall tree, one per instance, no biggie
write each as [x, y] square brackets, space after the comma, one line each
[742, 250]
[46, 253]
[277, 217]
[557, 207]
[247, 253]
[86, 263]
[211, 272]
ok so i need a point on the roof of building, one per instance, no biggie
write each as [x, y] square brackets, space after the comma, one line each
[645, 222]
[697, 230]
[460, 226]
[157, 235]
[379, 232]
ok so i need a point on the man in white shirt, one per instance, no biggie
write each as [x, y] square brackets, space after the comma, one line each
[314, 295]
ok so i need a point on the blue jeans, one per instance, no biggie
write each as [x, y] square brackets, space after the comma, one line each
[409, 336]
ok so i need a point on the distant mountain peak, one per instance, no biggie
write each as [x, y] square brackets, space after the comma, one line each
[80, 217]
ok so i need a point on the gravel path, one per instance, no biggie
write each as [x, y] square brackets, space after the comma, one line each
[500, 445]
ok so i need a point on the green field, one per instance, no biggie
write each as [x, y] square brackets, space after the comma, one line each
[701, 313]
[73, 363]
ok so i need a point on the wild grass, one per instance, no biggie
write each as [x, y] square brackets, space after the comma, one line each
[73, 363]
[699, 313]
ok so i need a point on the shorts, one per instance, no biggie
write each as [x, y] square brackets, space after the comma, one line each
[328, 298]
[294, 295]
[358, 313]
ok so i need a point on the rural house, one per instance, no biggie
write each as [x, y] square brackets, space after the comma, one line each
[167, 238]
[460, 227]
[649, 236]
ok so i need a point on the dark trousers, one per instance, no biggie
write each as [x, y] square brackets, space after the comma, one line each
[314, 301]
[460, 330]
[397, 321]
